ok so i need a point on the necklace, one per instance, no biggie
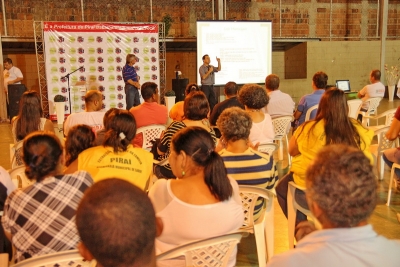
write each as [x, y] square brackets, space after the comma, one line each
[253, 110]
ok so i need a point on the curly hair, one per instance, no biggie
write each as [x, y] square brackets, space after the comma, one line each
[341, 181]
[234, 124]
[79, 138]
[253, 96]
[191, 87]
[41, 154]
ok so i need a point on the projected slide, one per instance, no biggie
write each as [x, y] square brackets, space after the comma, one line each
[245, 49]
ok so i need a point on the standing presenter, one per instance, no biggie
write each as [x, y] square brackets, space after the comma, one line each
[132, 85]
[208, 79]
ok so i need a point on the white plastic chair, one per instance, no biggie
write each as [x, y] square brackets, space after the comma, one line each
[377, 149]
[263, 227]
[354, 107]
[16, 154]
[150, 133]
[281, 128]
[19, 178]
[388, 115]
[373, 104]
[214, 251]
[391, 182]
[292, 208]
[268, 148]
[308, 113]
[68, 258]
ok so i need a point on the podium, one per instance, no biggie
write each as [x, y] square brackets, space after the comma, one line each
[179, 86]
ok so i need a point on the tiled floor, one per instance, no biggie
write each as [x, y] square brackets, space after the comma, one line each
[383, 219]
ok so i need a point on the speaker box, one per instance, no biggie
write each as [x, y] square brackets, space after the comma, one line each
[179, 86]
[15, 92]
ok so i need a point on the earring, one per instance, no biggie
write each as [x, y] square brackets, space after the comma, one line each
[183, 173]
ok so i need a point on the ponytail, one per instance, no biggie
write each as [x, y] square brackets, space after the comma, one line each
[215, 177]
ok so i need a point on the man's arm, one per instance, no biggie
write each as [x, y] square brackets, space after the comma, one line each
[18, 79]
[136, 84]
[204, 74]
[361, 93]
[297, 114]
[219, 63]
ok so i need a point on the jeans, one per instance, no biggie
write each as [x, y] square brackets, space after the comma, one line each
[132, 96]
[390, 164]
[281, 194]
[208, 90]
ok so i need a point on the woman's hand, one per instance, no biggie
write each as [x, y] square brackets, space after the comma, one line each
[304, 228]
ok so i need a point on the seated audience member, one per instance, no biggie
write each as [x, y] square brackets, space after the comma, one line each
[331, 126]
[279, 104]
[375, 89]
[196, 110]
[40, 219]
[6, 187]
[29, 119]
[244, 164]
[254, 98]
[319, 81]
[342, 195]
[117, 157]
[92, 116]
[231, 92]
[117, 225]
[392, 155]
[100, 133]
[80, 137]
[203, 202]
[176, 113]
[149, 112]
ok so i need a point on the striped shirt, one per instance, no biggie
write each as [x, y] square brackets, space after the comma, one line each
[129, 73]
[251, 168]
[164, 145]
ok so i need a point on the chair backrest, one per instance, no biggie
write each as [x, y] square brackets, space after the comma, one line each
[389, 115]
[150, 133]
[373, 105]
[16, 154]
[311, 112]
[267, 148]
[69, 258]
[383, 142]
[354, 107]
[214, 251]
[19, 178]
[281, 125]
[250, 195]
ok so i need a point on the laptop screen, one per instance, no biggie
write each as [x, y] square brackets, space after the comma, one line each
[343, 85]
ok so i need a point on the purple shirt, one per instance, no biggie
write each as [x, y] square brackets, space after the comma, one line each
[129, 73]
[307, 102]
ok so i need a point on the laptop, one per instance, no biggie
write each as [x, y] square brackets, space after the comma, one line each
[344, 85]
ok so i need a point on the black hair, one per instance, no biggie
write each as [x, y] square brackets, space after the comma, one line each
[41, 153]
[116, 223]
[199, 145]
[120, 130]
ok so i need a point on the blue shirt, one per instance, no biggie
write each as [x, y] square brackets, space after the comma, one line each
[307, 102]
[129, 73]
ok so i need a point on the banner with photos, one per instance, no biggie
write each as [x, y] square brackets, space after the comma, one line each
[97, 53]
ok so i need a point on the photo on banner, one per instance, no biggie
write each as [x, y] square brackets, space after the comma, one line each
[97, 52]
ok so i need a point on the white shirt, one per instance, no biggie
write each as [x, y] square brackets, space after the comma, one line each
[343, 247]
[262, 132]
[280, 104]
[184, 222]
[372, 90]
[12, 74]
[94, 119]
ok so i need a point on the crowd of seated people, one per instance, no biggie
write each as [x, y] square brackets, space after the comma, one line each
[201, 188]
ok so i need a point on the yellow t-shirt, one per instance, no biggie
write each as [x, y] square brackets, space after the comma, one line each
[134, 165]
[309, 144]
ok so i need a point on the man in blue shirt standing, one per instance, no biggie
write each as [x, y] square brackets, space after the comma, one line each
[132, 85]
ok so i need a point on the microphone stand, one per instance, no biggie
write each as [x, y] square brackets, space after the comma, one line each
[69, 89]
